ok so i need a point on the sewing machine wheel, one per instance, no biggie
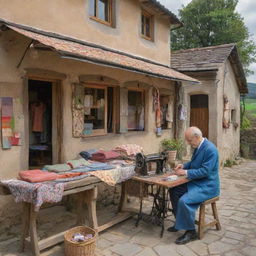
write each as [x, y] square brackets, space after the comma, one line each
[140, 160]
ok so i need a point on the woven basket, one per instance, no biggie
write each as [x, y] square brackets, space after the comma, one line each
[86, 248]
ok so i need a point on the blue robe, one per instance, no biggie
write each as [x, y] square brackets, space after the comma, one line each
[203, 173]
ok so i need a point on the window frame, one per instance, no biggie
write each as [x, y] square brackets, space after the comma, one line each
[103, 132]
[151, 29]
[143, 91]
[110, 14]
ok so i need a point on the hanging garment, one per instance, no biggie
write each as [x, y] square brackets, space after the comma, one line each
[37, 110]
[182, 112]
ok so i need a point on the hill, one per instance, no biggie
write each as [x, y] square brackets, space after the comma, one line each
[252, 91]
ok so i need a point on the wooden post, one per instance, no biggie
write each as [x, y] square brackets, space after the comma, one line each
[25, 225]
[216, 217]
[33, 231]
[91, 199]
[201, 221]
[123, 197]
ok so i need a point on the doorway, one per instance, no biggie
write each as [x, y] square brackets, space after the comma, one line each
[199, 113]
[40, 123]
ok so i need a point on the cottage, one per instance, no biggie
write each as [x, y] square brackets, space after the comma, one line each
[81, 75]
[214, 105]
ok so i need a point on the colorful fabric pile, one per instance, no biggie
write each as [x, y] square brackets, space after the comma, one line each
[128, 150]
[37, 194]
[103, 156]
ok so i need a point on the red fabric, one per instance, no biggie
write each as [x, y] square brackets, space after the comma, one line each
[102, 155]
[37, 176]
[41, 176]
[69, 175]
[37, 115]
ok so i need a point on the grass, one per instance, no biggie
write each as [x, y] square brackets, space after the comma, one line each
[250, 106]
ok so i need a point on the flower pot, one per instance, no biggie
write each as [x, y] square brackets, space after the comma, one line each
[172, 155]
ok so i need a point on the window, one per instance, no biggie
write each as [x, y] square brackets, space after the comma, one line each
[101, 10]
[147, 25]
[233, 116]
[98, 110]
[136, 109]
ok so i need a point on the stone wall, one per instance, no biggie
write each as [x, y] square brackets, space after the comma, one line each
[248, 144]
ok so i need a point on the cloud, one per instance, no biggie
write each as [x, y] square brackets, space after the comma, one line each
[245, 7]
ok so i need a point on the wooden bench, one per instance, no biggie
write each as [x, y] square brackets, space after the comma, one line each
[201, 223]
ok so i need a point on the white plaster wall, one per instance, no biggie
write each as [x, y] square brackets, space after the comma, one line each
[71, 18]
[12, 80]
[229, 138]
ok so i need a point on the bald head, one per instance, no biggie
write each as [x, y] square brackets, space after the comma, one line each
[193, 136]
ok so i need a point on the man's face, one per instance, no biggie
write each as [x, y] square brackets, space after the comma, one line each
[193, 141]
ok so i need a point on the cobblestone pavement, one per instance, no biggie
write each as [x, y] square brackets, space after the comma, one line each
[237, 212]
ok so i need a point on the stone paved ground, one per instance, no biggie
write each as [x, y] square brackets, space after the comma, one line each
[237, 210]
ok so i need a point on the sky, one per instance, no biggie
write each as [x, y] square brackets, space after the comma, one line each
[247, 8]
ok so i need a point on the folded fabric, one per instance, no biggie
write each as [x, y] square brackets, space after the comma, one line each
[57, 167]
[77, 163]
[37, 176]
[93, 167]
[129, 149]
[102, 155]
[67, 175]
[87, 154]
[35, 193]
[73, 178]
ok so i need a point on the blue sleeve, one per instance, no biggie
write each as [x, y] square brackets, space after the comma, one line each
[186, 166]
[209, 162]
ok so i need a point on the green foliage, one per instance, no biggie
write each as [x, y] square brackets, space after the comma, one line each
[246, 123]
[172, 144]
[214, 22]
[229, 163]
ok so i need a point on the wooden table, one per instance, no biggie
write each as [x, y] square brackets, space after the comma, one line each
[163, 186]
[86, 190]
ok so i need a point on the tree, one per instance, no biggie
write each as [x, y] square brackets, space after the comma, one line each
[214, 22]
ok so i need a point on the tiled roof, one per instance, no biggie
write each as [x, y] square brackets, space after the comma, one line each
[206, 58]
[210, 58]
[74, 49]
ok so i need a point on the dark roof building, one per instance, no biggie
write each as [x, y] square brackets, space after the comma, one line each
[210, 59]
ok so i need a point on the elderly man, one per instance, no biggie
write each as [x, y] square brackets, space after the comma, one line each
[202, 173]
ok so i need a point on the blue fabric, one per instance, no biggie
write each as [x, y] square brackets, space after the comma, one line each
[175, 194]
[203, 173]
[93, 167]
[87, 154]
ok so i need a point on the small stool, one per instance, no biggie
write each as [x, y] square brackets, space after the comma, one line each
[201, 223]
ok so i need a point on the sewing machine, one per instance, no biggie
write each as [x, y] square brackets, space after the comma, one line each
[142, 162]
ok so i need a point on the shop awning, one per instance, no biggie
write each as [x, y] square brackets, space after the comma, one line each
[82, 51]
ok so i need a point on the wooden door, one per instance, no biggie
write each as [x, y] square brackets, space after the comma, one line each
[199, 113]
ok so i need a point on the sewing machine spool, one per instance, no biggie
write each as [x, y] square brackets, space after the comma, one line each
[142, 162]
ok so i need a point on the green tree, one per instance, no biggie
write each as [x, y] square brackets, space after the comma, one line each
[214, 22]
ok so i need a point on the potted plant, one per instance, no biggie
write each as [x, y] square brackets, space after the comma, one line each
[172, 147]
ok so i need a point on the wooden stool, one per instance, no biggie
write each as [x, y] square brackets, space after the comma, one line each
[201, 223]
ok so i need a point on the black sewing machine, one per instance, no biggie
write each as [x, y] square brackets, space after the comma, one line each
[143, 160]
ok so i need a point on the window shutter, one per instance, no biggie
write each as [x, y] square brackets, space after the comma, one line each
[92, 7]
[78, 110]
[123, 110]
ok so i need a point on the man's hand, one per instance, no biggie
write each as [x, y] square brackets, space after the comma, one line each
[177, 167]
[180, 172]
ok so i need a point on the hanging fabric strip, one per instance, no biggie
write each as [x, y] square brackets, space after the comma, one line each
[7, 121]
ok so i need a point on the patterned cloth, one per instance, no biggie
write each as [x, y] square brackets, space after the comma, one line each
[129, 150]
[114, 176]
[35, 193]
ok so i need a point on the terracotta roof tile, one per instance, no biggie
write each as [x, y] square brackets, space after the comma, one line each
[104, 57]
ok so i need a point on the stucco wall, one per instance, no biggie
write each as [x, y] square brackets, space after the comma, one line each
[229, 139]
[12, 80]
[208, 87]
[226, 140]
[73, 20]
[13, 84]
